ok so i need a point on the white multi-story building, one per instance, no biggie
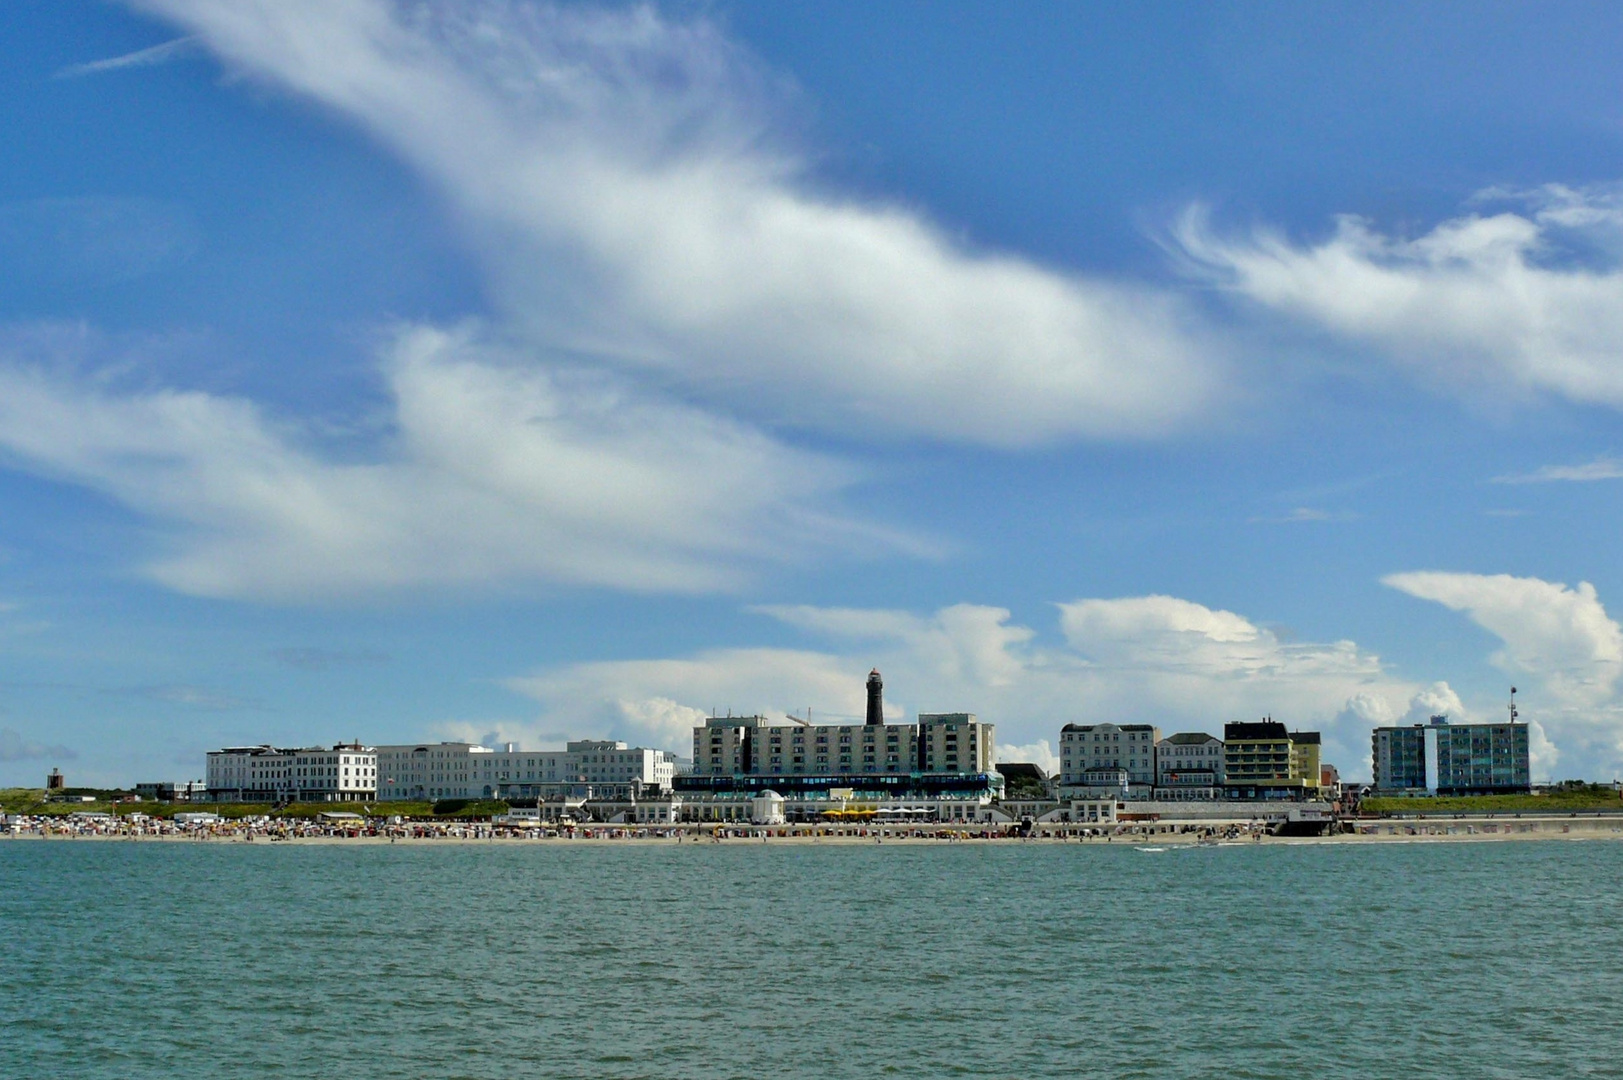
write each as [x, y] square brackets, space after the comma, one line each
[345, 772]
[755, 746]
[1091, 754]
[601, 768]
[944, 754]
[1189, 765]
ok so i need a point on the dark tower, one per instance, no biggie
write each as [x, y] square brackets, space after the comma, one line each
[876, 698]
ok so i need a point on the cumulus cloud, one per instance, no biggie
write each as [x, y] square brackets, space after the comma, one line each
[1560, 644]
[490, 471]
[1526, 299]
[1164, 660]
[1039, 753]
[1155, 659]
[1559, 635]
[1438, 699]
[661, 700]
[621, 174]
[13, 747]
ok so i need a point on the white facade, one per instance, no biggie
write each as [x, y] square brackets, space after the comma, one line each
[1189, 765]
[767, 809]
[1094, 747]
[755, 746]
[459, 770]
[346, 772]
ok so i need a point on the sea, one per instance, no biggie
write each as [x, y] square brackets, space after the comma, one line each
[795, 959]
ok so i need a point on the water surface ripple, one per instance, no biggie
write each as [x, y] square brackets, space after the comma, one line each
[742, 961]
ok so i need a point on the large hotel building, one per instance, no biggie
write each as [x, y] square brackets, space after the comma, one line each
[346, 772]
[1452, 759]
[598, 768]
[943, 753]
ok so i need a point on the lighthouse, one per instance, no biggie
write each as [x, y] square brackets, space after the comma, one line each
[876, 698]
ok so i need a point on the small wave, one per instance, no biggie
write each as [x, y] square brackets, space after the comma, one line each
[1150, 849]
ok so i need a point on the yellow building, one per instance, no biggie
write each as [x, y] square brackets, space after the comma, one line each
[1264, 761]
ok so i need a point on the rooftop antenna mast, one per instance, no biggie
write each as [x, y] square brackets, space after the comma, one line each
[1512, 704]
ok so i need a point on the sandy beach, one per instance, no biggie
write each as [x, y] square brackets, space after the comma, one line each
[1157, 834]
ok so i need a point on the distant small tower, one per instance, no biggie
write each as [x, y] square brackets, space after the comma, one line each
[56, 781]
[876, 698]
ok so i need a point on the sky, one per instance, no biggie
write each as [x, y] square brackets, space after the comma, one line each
[526, 372]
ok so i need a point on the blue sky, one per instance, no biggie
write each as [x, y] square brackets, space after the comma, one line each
[513, 371]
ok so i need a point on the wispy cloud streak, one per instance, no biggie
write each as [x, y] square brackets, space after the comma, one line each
[1602, 468]
[150, 57]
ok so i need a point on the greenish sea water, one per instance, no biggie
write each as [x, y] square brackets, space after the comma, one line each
[736, 960]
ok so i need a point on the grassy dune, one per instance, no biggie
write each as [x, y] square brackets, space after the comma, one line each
[1563, 802]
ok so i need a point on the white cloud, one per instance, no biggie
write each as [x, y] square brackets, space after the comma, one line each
[967, 642]
[1602, 468]
[1512, 301]
[660, 700]
[1438, 699]
[619, 173]
[1146, 659]
[1563, 649]
[1561, 636]
[1155, 659]
[148, 57]
[1038, 753]
[491, 471]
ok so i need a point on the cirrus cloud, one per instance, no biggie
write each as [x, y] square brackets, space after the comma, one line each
[1529, 298]
[489, 471]
[622, 176]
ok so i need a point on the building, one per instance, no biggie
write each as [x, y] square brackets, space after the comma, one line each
[1483, 759]
[1307, 761]
[1329, 781]
[56, 781]
[173, 790]
[1398, 760]
[941, 753]
[1451, 759]
[245, 773]
[1189, 765]
[1100, 758]
[585, 768]
[1025, 780]
[1264, 761]
[344, 772]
